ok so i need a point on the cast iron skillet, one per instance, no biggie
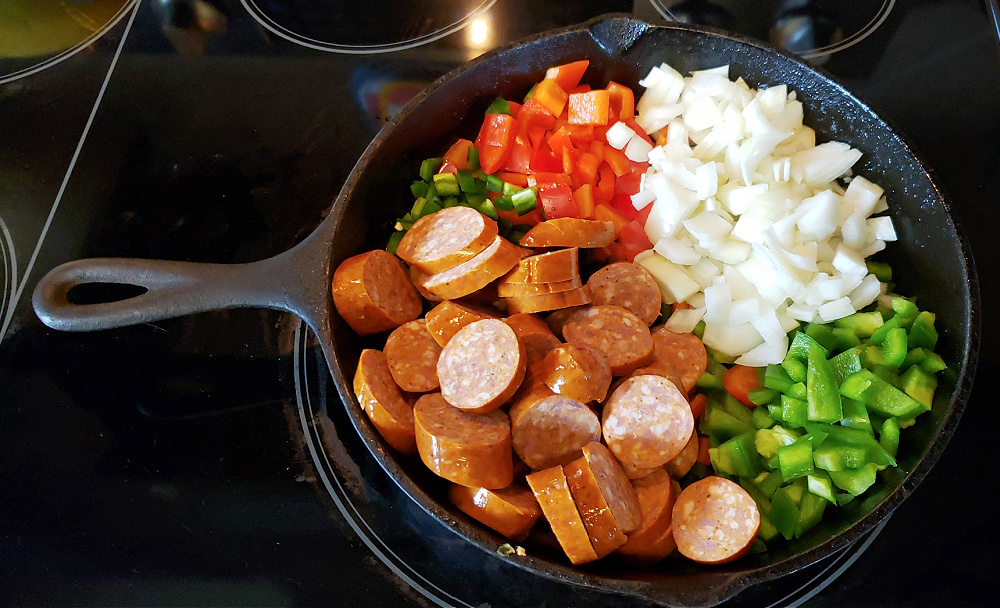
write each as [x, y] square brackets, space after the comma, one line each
[932, 260]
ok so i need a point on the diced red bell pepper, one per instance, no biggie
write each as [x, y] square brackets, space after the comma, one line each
[568, 75]
[517, 179]
[580, 135]
[544, 160]
[559, 140]
[634, 239]
[515, 108]
[548, 179]
[590, 108]
[622, 100]
[458, 154]
[605, 184]
[531, 218]
[698, 405]
[549, 94]
[628, 183]
[448, 167]
[557, 201]
[534, 115]
[569, 157]
[622, 202]
[584, 88]
[586, 169]
[617, 160]
[634, 126]
[616, 252]
[597, 149]
[495, 141]
[584, 197]
[606, 213]
[520, 156]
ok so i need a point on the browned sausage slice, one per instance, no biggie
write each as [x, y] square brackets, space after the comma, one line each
[569, 232]
[382, 401]
[413, 354]
[548, 302]
[560, 265]
[614, 332]
[482, 366]
[715, 521]
[448, 317]
[548, 429]
[615, 486]
[654, 539]
[446, 239]
[373, 293]
[474, 274]
[510, 511]
[417, 278]
[602, 526]
[557, 320]
[646, 421]
[679, 466]
[507, 290]
[628, 285]
[682, 351]
[538, 339]
[467, 449]
[553, 495]
[577, 372]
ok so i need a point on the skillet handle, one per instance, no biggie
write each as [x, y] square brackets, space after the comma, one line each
[286, 282]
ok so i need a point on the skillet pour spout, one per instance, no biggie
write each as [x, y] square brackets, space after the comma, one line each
[931, 246]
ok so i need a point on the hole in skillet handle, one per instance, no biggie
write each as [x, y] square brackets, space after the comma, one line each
[101, 292]
[453, 108]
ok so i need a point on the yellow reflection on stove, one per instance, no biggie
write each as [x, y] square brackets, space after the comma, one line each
[32, 28]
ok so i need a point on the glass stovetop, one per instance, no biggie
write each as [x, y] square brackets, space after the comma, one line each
[199, 461]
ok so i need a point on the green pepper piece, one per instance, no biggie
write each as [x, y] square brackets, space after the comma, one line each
[784, 513]
[450, 202]
[736, 408]
[799, 391]
[776, 378]
[932, 363]
[846, 364]
[881, 270]
[799, 349]
[707, 380]
[878, 336]
[856, 415]
[767, 531]
[819, 483]
[880, 396]
[795, 368]
[524, 201]
[418, 188]
[810, 512]
[885, 311]
[429, 167]
[834, 455]
[430, 207]
[466, 182]
[499, 106]
[922, 332]
[767, 441]
[418, 208]
[509, 189]
[845, 339]
[823, 395]
[796, 460]
[889, 436]
[530, 92]
[768, 482]
[736, 457]
[446, 184]
[822, 334]
[473, 158]
[516, 234]
[504, 203]
[762, 396]
[699, 329]
[838, 434]
[894, 348]
[722, 426]
[914, 356]
[855, 481]
[761, 418]
[486, 208]
[862, 324]
[394, 240]
[494, 184]
[919, 385]
[791, 410]
[906, 311]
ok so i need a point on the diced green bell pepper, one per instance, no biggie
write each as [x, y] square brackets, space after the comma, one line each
[878, 336]
[473, 159]
[810, 512]
[791, 410]
[846, 363]
[880, 396]
[799, 349]
[503, 203]
[795, 368]
[493, 183]
[889, 437]
[418, 188]
[838, 434]
[795, 460]
[834, 456]
[446, 184]
[722, 426]
[932, 363]
[768, 482]
[845, 339]
[862, 324]
[784, 512]
[799, 391]
[736, 408]
[761, 418]
[919, 385]
[823, 395]
[914, 356]
[922, 332]
[767, 441]
[776, 378]
[736, 457]
[761, 396]
[524, 201]
[466, 183]
[819, 483]
[856, 415]
[855, 481]
[499, 106]
[822, 334]
[881, 270]
[428, 168]
[894, 348]
[906, 311]
[394, 240]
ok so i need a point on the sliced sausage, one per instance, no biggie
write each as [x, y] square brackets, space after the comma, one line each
[417, 278]
[715, 521]
[635, 473]
[615, 486]
[413, 354]
[682, 351]
[627, 285]
[373, 293]
[481, 366]
[510, 511]
[577, 372]
[560, 265]
[548, 302]
[548, 429]
[538, 339]
[602, 526]
[507, 290]
[614, 332]
[382, 401]
[646, 421]
[474, 274]
[553, 495]
[446, 239]
[679, 466]
[448, 317]
[654, 539]
[467, 449]
[660, 368]
[557, 320]
[569, 232]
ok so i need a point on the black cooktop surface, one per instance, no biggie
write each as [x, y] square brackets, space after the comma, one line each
[199, 460]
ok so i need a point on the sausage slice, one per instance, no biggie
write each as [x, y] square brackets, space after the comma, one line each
[548, 429]
[482, 366]
[467, 449]
[560, 265]
[646, 421]
[448, 317]
[682, 351]
[679, 466]
[627, 285]
[538, 339]
[552, 492]
[548, 302]
[446, 239]
[577, 372]
[413, 354]
[615, 486]
[510, 511]
[614, 332]
[382, 401]
[715, 521]
[569, 232]
[506, 290]
[654, 539]
[474, 274]
[373, 293]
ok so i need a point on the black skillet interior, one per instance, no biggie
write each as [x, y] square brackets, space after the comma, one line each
[931, 261]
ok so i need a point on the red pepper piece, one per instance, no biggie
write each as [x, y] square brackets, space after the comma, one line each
[568, 75]
[557, 201]
[495, 141]
[622, 100]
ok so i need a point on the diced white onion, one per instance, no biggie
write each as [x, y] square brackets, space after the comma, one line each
[619, 135]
